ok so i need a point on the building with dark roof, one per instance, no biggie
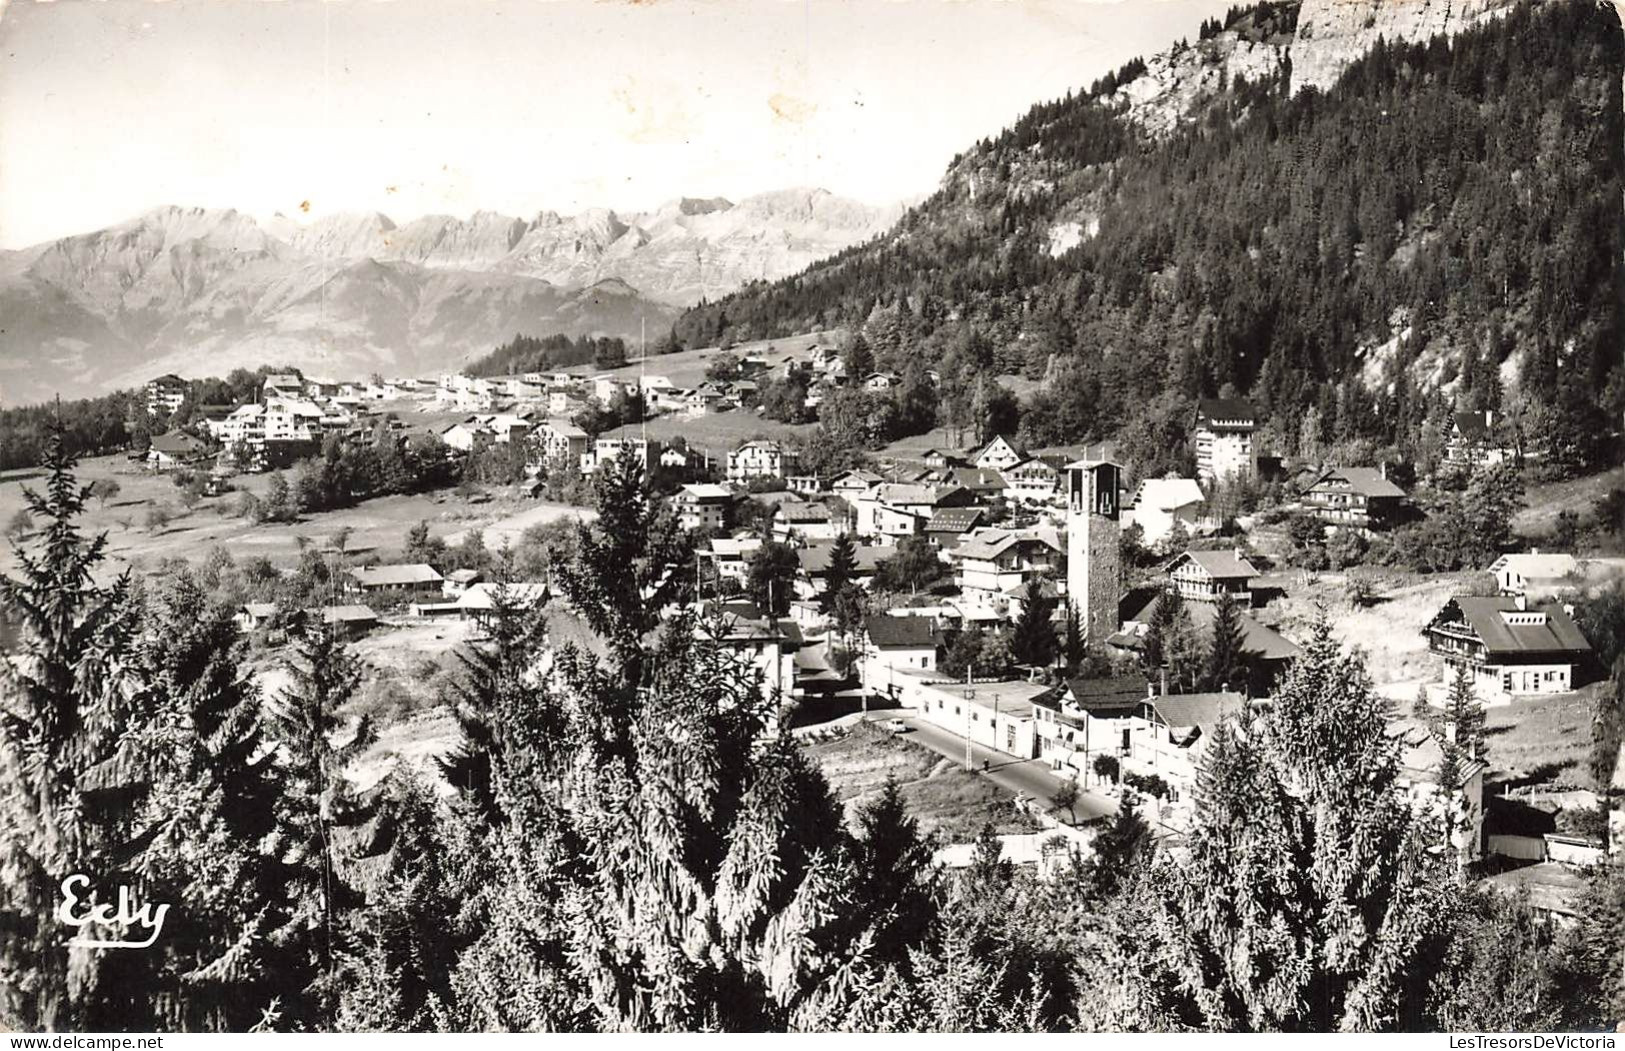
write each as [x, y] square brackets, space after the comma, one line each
[1508, 647]
[1204, 575]
[1471, 442]
[892, 643]
[1359, 498]
[947, 527]
[1224, 438]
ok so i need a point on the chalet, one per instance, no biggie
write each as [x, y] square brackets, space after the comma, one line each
[730, 557]
[947, 527]
[176, 449]
[608, 450]
[1167, 736]
[1508, 646]
[462, 435]
[703, 506]
[293, 420]
[282, 385]
[1032, 481]
[1159, 503]
[997, 455]
[806, 484]
[403, 581]
[1358, 498]
[166, 393]
[891, 642]
[252, 616]
[705, 399]
[849, 485]
[482, 602]
[350, 621]
[1471, 442]
[1203, 575]
[1224, 438]
[1421, 766]
[985, 484]
[459, 581]
[561, 439]
[941, 459]
[760, 459]
[1521, 574]
[990, 564]
[796, 519]
[812, 574]
[881, 381]
[1084, 718]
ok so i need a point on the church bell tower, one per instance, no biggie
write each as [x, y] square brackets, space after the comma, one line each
[1094, 568]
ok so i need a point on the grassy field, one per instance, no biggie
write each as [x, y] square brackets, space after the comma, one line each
[716, 434]
[943, 798]
[1544, 502]
[1548, 738]
[378, 527]
[1389, 632]
[687, 368]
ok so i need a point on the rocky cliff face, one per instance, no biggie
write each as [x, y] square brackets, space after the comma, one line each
[1329, 34]
[1332, 33]
[195, 290]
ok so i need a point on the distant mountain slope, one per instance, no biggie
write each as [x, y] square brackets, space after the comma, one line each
[1417, 224]
[190, 289]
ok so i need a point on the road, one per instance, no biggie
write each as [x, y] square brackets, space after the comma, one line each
[1029, 777]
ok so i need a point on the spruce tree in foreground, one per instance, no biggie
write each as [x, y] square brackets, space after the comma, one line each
[1308, 900]
[1033, 641]
[321, 810]
[68, 778]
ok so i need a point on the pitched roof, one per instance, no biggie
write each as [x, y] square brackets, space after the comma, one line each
[814, 559]
[519, 595]
[1226, 409]
[177, 442]
[977, 479]
[954, 520]
[1367, 481]
[1556, 633]
[1221, 565]
[857, 474]
[1534, 566]
[802, 511]
[1472, 425]
[915, 632]
[1168, 494]
[705, 491]
[1202, 711]
[991, 543]
[347, 614]
[1257, 639]
[388, 576]
[732, 548]
[1119, 691]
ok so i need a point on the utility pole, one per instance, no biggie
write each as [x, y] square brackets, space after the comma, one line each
[969, 692]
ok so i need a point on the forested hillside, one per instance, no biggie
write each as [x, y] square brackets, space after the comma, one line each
[1442, 226]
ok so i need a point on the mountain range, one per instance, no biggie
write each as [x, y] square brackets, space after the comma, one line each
[200, 291]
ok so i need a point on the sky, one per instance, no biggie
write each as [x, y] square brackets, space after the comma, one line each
[109, 108]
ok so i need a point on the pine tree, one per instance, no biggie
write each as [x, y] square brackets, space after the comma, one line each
[497, 709]
[321, 813]
[1118, 849]
[1072, 644]
[1033, 642]
[69, 777]
[1307, 900]
[423, 547]
[892, 864]
[843, 570]
[1226, 661]
[212, 803]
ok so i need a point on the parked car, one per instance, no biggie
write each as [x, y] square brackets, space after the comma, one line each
[896, 726]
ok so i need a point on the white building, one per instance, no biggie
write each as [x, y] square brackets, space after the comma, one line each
[1160, 502]
[760, 459]
[1224, 438]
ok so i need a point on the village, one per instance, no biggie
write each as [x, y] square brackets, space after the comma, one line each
[948, 552]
